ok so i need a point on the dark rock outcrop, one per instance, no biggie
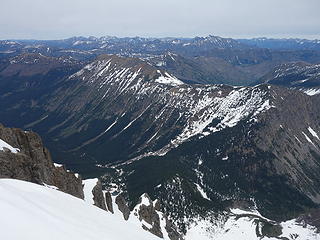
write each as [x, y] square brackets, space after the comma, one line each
[98, 197]
[150, 216]
[68, 182]
[33, 162]
[123, 206]
[149, 212]
[172, 231]
[312, 218]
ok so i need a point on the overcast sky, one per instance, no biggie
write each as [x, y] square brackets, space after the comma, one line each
[56, 19]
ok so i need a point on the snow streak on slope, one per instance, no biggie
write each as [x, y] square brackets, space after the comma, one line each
[312, 91]
[30, 211]
[229, 110]
[205, 110]
[313, 133]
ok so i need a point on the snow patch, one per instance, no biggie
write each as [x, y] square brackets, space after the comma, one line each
[145, 200]
[241, 225]
[5, 146]
[308, 139]
[89, 184]
[202, 192]
[167, 79]
[225, 158]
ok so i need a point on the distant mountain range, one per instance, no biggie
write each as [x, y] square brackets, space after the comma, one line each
[209, 59]
[284, 44]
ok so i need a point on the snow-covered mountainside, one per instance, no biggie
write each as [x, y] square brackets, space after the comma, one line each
[30, 211]
[127, 103]
[298, 75]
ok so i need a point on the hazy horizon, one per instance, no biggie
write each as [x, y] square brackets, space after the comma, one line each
[50, 20]
[161, 37]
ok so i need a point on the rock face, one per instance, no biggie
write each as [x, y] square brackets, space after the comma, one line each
[33, 162]
[98, 197]
[123, 206]
[146, 212]
[312, 218]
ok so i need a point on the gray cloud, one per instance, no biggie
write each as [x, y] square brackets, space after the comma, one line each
[47, 19]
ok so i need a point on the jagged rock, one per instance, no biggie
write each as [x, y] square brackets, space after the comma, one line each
[157, 205]
[312, 218]
[148, 212]
[109, 202]
[123, 206]
[33, 163]
[98, 197]
[172, 231]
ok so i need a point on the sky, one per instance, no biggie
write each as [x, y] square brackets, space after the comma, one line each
[57, 19]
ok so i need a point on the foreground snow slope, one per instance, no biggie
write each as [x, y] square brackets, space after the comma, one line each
[30, 211]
